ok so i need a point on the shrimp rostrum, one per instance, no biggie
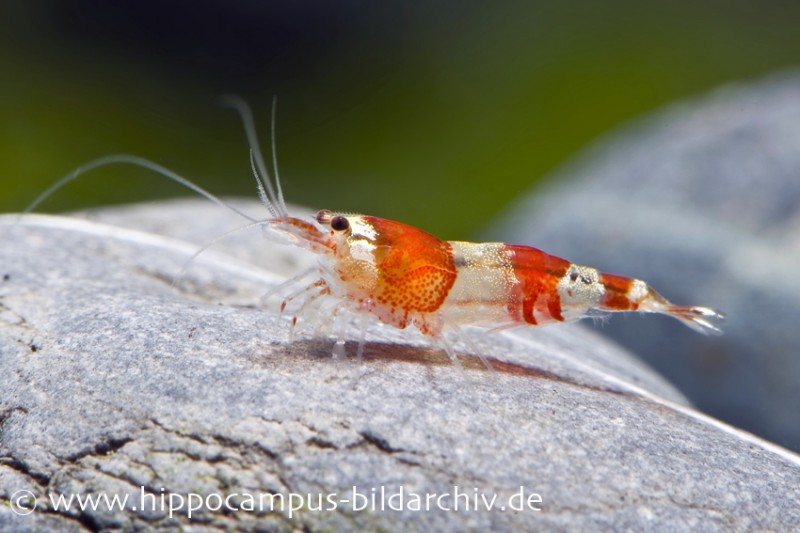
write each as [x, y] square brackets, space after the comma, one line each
[403, 276]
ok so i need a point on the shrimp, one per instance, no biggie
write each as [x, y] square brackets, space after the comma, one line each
[403, 276]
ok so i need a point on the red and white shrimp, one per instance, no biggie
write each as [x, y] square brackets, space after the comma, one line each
[403, 276]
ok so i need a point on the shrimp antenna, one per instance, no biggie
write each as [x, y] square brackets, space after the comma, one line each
[136, 161]
[275, 151]
[261, 194]
[211, 243]
[272, 201]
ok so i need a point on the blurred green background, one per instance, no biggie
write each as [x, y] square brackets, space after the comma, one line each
[437, 114]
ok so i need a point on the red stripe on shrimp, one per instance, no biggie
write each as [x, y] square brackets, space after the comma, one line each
[538, 274]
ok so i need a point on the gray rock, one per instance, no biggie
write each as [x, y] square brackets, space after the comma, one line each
[701, 200]
[115, 382]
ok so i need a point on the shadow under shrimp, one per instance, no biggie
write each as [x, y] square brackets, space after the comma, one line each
[375, 352]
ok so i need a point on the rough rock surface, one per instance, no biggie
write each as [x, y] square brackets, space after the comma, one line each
[701, 200]
[114, 382]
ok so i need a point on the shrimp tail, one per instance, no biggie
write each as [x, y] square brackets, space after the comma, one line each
[701, 319]
[626, 294]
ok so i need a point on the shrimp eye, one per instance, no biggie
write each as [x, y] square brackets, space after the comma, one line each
[339, 223]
